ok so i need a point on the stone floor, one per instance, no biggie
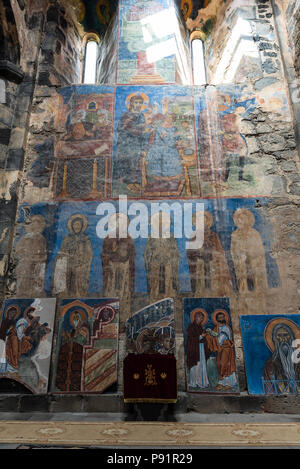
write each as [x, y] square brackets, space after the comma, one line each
[288, 422]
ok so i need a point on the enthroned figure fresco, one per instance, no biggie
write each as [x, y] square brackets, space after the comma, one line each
[71, 274]
[31, 256]
[248, 254]
[155, 151]
[132, 136]
[208, 266]
[118, 265]
[162, 260]
[83, 152]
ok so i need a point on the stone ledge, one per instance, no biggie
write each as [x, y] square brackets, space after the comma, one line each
[113, 403]
[10, 71]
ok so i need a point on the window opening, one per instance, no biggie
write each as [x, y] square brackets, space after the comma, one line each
[91, 52]
[198, 60]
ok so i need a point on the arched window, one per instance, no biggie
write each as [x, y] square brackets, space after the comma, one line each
[90, 59]
[198, 61]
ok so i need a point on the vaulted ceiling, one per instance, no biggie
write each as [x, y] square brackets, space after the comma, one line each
[95, 15]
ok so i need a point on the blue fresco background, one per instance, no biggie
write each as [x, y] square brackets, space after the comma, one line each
[256, 351]
[57, 216]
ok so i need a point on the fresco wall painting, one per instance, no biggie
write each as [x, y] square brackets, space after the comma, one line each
[83, 154]
[86, 346]
[209, 346]
[26, 332]
[270, 344]
[234, 259]
[152, 329]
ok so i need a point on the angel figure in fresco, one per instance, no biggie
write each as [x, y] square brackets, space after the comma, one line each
[162, 261]
[208, 265]
[31, 254]
[118, 266]
[73, 262]
[248, 253]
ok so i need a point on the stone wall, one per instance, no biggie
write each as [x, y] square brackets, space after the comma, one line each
[237, 153]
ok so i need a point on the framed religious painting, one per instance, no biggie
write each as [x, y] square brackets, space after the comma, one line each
[26, 332]
[209, 346]
[86, 346]
[270, 344]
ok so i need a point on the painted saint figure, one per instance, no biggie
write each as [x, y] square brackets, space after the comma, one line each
[133, 135]
[31, 254]
[118, 265]
[248, 254]
[234, 146]
[208, 265]
[197, 351]
[75, 336]
[280, 371]
[162, 261]
[73, 262]
[223, 345]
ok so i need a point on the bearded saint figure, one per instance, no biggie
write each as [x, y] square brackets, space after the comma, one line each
[280, 368]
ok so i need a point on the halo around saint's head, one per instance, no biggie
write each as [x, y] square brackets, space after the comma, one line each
[274, 322]
[11, 308]
[144, 97]
[201, 311]
[78, 216]
[214, 316]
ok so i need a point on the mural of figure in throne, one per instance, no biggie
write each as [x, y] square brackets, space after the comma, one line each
[133, 135]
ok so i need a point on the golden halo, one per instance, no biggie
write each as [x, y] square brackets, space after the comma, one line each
[81, 217]
[227, 318]
[199, 310]
[243, 211]
[12, 307]
[190, 8]
[77, 311]
[136, 93]
[99, 13]
[270, 326]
